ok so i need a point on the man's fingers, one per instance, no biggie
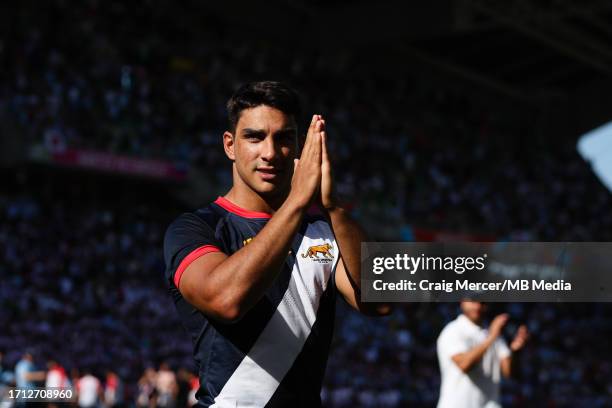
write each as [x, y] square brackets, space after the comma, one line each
[324, 156]
[313, 144]
[500, 321]
[313, 121]
[321, 127]
[309, 135]
[316, 142]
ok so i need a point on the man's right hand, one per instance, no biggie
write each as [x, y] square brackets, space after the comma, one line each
[307, 171]
[497, 325]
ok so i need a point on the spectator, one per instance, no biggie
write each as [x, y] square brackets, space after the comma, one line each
[147, 396]
[26, 375]
[56, 376]
[7, 377]
[113, 390]
[89, 390]
[166, 387]
[6, 380]
[183, 379]
[194, 386]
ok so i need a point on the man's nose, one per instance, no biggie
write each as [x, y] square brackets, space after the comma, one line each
[270, 149]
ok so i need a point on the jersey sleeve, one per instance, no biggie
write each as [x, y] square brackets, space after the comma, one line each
[452, 342]
[187, 239]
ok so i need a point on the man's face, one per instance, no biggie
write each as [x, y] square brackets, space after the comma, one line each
[474, 311]
[263, 147]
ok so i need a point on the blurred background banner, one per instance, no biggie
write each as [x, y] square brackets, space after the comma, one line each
[111, 163]
[448, 120]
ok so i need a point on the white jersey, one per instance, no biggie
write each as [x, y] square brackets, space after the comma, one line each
[478, 388]
[56, 378]
[88, 388]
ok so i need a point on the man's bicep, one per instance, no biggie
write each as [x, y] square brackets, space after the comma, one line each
[197, 284]
[190, 257]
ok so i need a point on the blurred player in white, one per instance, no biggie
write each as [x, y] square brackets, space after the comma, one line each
[56, 376]
[473, 358]
[89, 390]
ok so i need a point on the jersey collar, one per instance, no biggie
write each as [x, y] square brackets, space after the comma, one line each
[233, 208]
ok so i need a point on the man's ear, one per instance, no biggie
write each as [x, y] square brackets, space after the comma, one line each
[228, 145]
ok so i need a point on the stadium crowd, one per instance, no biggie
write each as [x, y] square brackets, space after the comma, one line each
[428, 151]
[82, 281]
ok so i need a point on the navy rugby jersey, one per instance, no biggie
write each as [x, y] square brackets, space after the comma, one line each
[275, 356]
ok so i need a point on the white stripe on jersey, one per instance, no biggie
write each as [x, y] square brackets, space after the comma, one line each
[260, 372]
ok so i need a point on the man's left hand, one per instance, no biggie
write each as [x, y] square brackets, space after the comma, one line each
[520, 339]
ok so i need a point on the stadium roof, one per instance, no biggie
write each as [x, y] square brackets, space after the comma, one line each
[521, 48]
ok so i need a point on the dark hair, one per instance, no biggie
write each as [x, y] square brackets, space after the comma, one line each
[270, 93]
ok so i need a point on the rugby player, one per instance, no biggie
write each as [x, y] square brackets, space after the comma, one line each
[473, 358]
[254, 275]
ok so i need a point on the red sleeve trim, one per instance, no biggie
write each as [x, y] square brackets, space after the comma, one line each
[193, 255]
[233, 208]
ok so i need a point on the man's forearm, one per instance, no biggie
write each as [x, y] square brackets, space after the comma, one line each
[226, 287]
[506, 367]
[249, 272]
[465, 361]
[36, 375]
[349, 236]
[511, 366]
